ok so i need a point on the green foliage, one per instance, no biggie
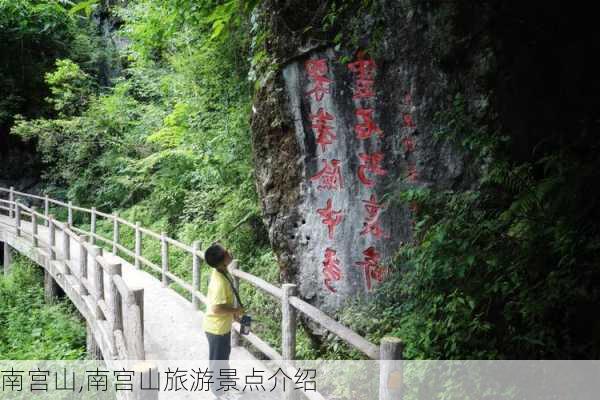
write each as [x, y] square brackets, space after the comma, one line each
[345, 24]
[30, 329]
[32, 34]
[169, 143]
[87, 7]
[175, 126]
[221, 17]
[71, 88]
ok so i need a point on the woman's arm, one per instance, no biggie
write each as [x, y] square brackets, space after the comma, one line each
[224, 309]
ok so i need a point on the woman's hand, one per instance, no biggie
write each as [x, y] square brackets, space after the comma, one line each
[238, 312]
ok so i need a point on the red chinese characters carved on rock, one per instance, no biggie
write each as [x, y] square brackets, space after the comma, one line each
[371, 266]
[330, 177]
[409, 144]
[323, 131]
[370, 163]
[366, 127]
[412, 174]
[331, 269]
[317, 69]
[407, 117]
[372, 225]
[365, 71]
[408, 121]
[331, 218]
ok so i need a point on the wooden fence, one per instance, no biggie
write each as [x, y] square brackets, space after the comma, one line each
[290, 304]
[114, 310]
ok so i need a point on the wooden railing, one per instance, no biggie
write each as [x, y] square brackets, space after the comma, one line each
[290, 304]
[115, 309]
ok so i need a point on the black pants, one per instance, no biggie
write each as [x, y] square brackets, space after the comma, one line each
[219, 349]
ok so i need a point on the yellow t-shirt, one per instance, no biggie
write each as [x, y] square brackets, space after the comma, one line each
[219, 292]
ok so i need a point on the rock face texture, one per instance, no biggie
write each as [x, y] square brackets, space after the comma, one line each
[18, 165]
[339, 132]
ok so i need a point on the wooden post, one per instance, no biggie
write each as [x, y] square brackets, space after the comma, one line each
[288, 323]
[46, 209]
[83, 263]
[7, 258]
[98, 279]
[390, 369]
[118, 304]
[11, 198]
[135, 323]
[235, 337]
[115, 233]
[34, 227]
[17, 206]
[51, 289]
[70, 213]
[138, 295]
[196, 262]
[67, 248]
[164, 252]
[93, 350]
[113, 299]
[93, 226]
[138, 245]
[51, 237]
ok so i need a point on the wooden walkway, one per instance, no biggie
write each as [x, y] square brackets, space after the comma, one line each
[173, 328]
[130, 314]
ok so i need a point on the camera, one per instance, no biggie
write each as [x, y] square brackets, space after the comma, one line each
[245, 323]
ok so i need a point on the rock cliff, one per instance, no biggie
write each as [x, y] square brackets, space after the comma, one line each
[341, 129]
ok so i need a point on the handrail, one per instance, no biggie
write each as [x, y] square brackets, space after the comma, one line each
[105, 307]
[289, 301]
